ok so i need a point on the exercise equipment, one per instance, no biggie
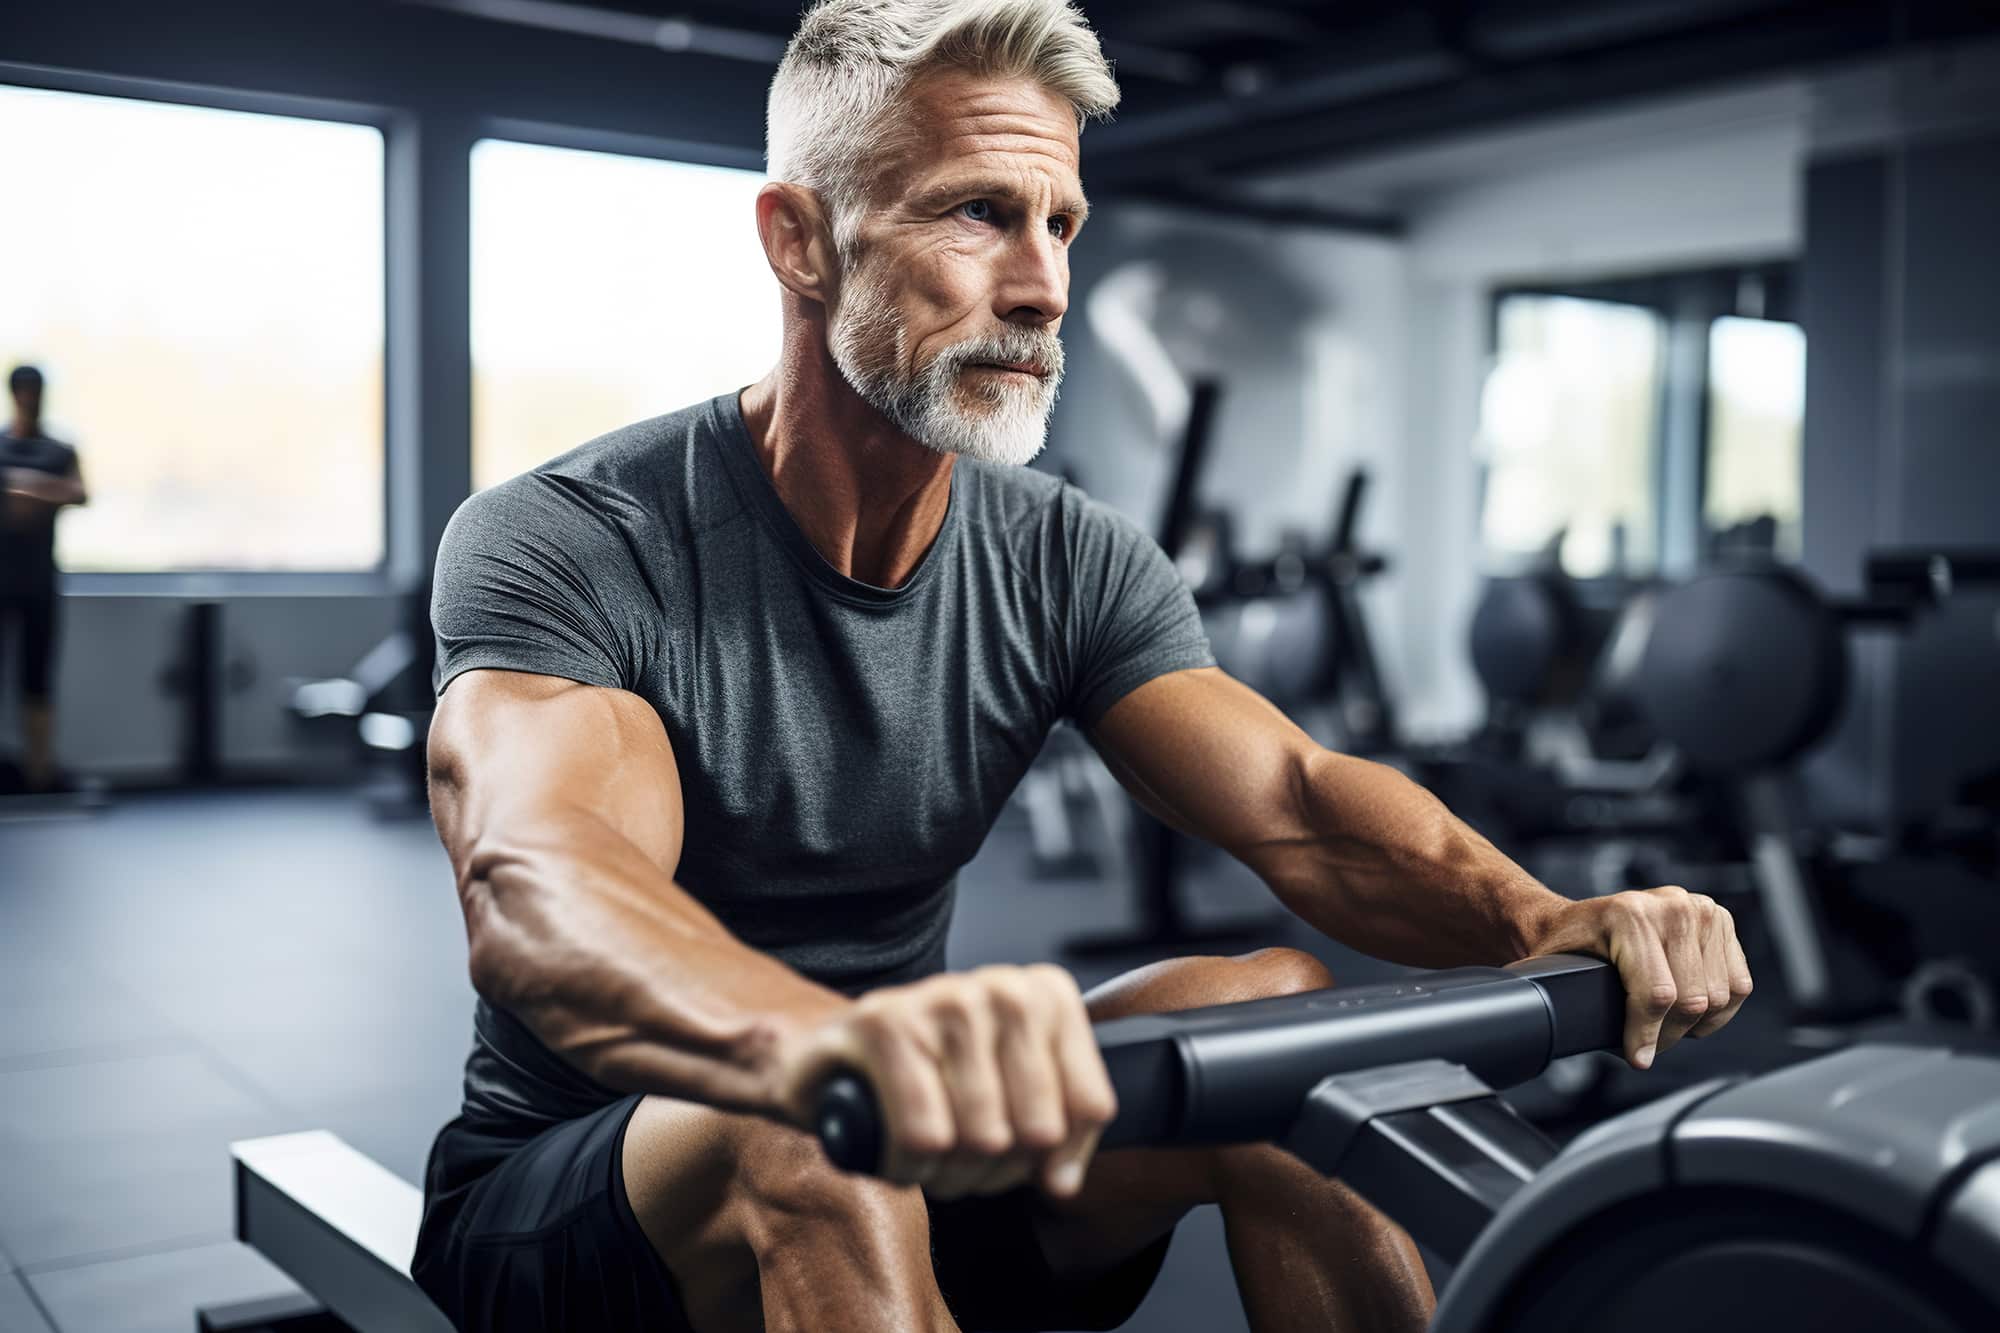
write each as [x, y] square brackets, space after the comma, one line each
[1564, 759]
[386, 695]
[1302, 637]
[1079, 818]
[340, 1225]
[1291, 625]
[1159, 853]
[1746, 671]
[1859, 1191]
[202, 676]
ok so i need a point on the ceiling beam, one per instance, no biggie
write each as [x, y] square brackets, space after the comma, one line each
[1420, 94]
[1287, 213]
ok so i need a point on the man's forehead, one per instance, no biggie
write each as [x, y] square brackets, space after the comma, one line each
[977, 122]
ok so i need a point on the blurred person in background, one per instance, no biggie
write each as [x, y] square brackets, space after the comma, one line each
[38, 477]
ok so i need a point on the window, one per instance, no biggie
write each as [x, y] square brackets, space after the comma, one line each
[606, 289]
[1756, 412]
[203, 290]
[1568, 422]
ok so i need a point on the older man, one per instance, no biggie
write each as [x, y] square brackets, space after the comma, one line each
[728, 697]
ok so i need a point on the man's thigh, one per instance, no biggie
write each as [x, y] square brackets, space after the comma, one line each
[536, 1232]
[754, 1221]
[680, 1166]
[1134, 1197]
[1003, 1262]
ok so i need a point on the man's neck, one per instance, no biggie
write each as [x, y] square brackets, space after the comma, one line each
[870, 499]
[24, 429]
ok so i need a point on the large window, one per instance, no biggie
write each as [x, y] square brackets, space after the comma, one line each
[1756, 411]
[606, 289]
[1568, 422]
[1653, 421]
[203, 290]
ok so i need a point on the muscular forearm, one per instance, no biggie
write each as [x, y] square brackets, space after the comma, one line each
[616, 968]
[1385, 868]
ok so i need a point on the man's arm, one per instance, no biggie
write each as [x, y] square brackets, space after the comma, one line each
[1372, 859]
[34, 484]
[559, 805]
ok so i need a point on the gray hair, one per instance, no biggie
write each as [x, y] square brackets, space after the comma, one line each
[829, 121]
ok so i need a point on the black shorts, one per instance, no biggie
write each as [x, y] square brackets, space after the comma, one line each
[30, 620]
[536, 1233]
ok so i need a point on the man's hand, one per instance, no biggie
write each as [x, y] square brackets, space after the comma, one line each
[1677, 953]
[986, 1078]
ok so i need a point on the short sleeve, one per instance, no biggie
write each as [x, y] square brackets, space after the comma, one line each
[1131, 616]
[532, 576]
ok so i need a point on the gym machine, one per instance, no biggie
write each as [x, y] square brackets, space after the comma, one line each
[1564, 756]
[1310, 646]
[1745, 672]
[386, 696]
[1157, 852]
[1856, 1192]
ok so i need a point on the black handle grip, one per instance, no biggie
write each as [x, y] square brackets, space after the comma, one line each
[1252, 1061]
[848, 1121]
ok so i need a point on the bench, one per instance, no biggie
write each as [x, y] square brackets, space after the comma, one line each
[336, 1222]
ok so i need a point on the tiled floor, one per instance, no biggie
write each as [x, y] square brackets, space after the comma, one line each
[181, 971]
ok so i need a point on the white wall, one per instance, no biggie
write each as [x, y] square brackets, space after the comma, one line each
[1733, 195]
[1305, 330]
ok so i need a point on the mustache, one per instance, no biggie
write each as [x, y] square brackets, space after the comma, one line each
[1039, 347]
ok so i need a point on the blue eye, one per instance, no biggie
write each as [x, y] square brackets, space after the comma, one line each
[979, 210]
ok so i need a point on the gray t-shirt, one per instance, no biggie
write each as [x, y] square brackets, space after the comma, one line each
[843, 748]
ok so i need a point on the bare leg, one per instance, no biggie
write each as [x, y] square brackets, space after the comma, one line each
[762, 1233]
[38, 722]
[1309, 1252]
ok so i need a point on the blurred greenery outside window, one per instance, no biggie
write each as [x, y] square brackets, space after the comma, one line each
[606, 289]
[1596, 431]
[203, 290]
[1756, 415]
[1568, 422]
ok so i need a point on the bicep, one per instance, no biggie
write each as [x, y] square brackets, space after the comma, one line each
[513, 748]
[1212, 757]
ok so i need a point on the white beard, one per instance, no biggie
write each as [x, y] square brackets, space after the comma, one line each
[1007, 416]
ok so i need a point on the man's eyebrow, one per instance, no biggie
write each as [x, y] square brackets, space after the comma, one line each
[975, 187]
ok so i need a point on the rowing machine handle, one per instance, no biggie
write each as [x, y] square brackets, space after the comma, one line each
[1585, 1011]
[848, 1121]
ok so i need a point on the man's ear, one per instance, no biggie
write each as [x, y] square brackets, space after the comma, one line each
[798, 240]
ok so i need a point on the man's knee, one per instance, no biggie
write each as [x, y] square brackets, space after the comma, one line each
[749, 1214]
[1280, 971]
[1191, 983]
[786, 1197]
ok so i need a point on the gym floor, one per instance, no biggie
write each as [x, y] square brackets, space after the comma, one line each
[184, 970]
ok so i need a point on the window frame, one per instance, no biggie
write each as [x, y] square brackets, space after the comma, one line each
[551, 134]
[1688, 302]
[230, 583]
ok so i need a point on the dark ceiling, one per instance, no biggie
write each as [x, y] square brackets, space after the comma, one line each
[1213, 88]
[1216, 92]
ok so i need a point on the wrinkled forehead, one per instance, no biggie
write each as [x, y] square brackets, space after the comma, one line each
[962, 124]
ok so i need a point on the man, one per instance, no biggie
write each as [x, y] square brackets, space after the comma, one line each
[727, 698]
[38, 477]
